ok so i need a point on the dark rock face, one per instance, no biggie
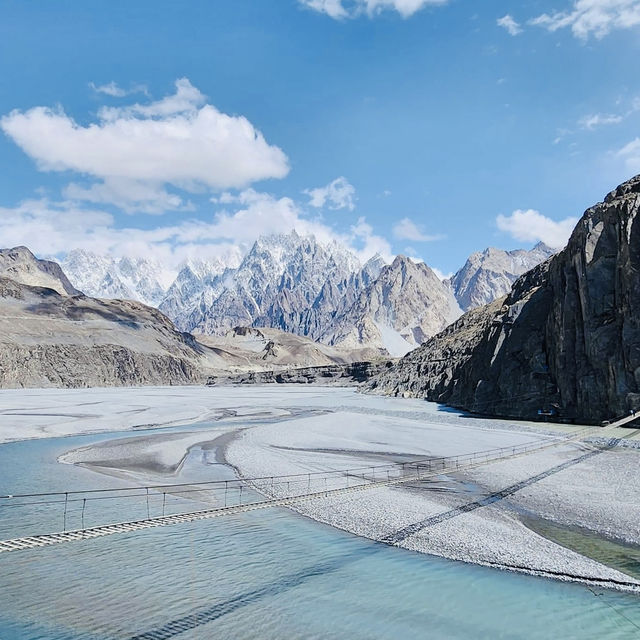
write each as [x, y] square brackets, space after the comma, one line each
[564, 342]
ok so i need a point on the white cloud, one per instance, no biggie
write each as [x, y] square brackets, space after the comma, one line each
[128, 195]
[340, 9]
[561, 135]
[338, 194]
[596, 120]
[532, 226]
[186, 99]
[366, 244]
[115, 91]
[178, 141]
[593, 17]
[333, 8]
[631, 155]
[508, 23]
[53, 228]
[406, 229]
[602, 119]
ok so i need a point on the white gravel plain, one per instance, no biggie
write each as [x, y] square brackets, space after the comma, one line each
[601, 493]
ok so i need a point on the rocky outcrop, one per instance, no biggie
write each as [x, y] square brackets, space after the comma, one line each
[564, 343]
[340, 374]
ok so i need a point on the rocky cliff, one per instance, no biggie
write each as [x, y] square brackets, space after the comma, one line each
[564, 342]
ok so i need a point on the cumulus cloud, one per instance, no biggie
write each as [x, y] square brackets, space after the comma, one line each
[179, 141]
[532, 226]
[406, 229]
[630, 153]
[338, 194]
[340, 9]
[508, 23]
[592, 17]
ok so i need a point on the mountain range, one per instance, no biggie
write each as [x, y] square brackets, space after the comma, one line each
[299, 285]
[564, 342]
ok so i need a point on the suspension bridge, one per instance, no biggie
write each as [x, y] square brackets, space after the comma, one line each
[259, 493]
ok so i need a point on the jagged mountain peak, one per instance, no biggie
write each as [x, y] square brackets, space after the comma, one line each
[403, 306]
[489, 274]
[128, 277]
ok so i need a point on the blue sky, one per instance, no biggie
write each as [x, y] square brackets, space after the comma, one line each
[400, 126]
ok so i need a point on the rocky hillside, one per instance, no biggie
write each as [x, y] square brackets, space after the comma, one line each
[52, 335]
[565, 341]
[271, 349]
[489, 274]
[21, 265]
[47, 339]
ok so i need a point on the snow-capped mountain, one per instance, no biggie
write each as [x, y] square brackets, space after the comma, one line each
[196, 287]
[406, 304]
[489, 274]
[278, 285]
[102, 276]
